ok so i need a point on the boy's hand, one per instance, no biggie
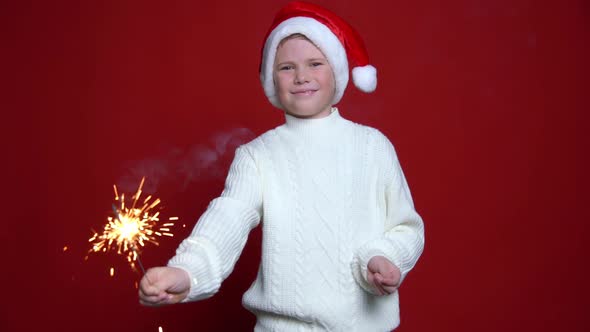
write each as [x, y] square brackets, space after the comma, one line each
[383, 275]
[163, 285]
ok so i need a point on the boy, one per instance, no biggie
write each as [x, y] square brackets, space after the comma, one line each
[340, 232]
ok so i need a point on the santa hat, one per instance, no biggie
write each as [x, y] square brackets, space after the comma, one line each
[339, 42]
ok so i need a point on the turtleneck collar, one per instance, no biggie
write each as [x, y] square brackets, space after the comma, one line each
[324, 124]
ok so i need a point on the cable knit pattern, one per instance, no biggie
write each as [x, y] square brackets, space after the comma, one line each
[331, 194]
[299, 259]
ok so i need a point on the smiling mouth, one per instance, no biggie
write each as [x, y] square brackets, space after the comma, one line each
[304, 92]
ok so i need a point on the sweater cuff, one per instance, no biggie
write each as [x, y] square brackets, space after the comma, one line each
[201, 268]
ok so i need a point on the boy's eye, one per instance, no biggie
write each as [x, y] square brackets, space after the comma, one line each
[316, 64]
[286, 67]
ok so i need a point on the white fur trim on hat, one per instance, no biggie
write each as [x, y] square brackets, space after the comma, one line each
[322, 37]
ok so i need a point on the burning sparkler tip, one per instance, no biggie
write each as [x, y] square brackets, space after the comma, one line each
[130, 227]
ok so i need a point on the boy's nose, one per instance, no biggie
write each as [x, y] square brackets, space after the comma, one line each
[300, 77]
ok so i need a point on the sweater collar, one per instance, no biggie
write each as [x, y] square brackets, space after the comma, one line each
[310, 126]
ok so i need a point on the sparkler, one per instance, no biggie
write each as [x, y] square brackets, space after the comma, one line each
[132, 227]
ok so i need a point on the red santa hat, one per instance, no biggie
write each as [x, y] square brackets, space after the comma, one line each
[339, 42]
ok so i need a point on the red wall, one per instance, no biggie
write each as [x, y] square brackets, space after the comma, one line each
[485, 101]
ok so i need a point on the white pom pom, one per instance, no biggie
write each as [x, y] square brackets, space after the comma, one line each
[365, 78]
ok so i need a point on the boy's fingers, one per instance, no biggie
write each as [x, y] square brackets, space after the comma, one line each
[152, 303]
[146, 284]
[147, 293]
[388, 282]
[154, 300]
[383, 286]
[382, 291]
[379, 279]
[143, 294]
[149, 290]
[174, 298]
[389, 289]
[377, 283]
[386, 285]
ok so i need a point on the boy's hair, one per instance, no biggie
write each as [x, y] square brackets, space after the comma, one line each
[295, 36]
[299, 36]
[335, 38]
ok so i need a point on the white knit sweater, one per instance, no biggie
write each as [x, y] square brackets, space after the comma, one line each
[331, 195]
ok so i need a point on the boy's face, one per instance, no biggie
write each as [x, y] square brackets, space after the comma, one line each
[304, 80]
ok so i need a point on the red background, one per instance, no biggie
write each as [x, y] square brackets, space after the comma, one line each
[485, 102]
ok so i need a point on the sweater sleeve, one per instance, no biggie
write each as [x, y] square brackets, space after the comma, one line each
[216, 242]
[402, 241]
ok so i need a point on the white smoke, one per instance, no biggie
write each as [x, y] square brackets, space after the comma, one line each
[182, 167]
